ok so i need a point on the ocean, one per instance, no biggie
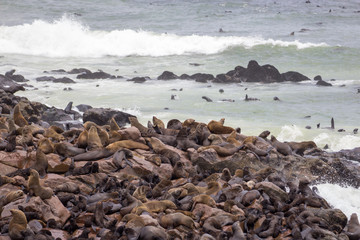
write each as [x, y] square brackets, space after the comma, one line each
[145, 38]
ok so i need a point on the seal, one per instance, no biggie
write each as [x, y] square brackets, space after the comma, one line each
[26, 138]
[159, 206]
[152, 232]
[93, 141]
[46, 146]
[17, 224]
[129, 144]
[163, 185]
[353, 227]
[204, 199]
[18, 117]
[218, 127]
[221, 151]
[174, 220]
[52, 134]
[264, 134]
[113, 125]
[301, 147]
[82, 139]
[179, 171]
[282, 148]
[174, 124]
[41, 162]
[158, 123]
[140, 193]
[34, 186]
[10, 197]
[67, 150]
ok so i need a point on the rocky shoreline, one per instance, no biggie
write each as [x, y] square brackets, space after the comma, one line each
[180, 180]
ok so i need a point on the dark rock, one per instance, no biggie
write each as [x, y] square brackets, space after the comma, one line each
[16, 78]
[195, 64]
[95, 75]
[202, 77]
[323, 83]
[8, 85]
[272, 74]
[138, 79]
[83, 107]
[224, 78]
[276, 99]
[56, 71]
[294, 76]
[166, 75]
[45, 79]
[317, 78]
[54, 115]
[63, 80]
[101, 116]
[355, 131]
[254, 72]
[221, 90]
[308, 127]
[341, 130]
[79, 70]
[184, 76]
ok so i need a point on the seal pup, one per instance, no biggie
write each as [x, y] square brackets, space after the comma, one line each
[179, 171]
[281, 147]
[174, 220]
[34, 186]
[82, 139]
[18, 117]
[17, 224]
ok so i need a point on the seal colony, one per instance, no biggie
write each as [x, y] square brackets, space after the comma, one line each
[175, 180]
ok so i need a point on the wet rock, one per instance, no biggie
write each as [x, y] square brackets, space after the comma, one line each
[184, 76]
[101, 116]
[138, 79]
[8, 85]
[79, 70]
[202, 77]
[166, 75]
[294, 77]
[83, 107]
[95, 75]
[273, 191]
[334, 217]
[63, 80]
[45, 79]
[323, 83]
[317, 78]
[14, 77]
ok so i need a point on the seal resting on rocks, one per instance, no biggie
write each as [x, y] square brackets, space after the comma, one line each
[281, 147]
[151, 233]
[353, 227]
[19, 118]
[17, 224]
[35, 187]
[41, 162]
[218, 127]
[174, 220]
[93, 141]
[300, 147]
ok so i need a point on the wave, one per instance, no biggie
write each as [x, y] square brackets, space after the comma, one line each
[68, 37]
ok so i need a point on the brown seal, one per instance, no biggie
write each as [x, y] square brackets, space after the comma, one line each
[113, 125]
[225, 175]
[51, 133]
[41, 162]
[174, 124]
[158, 123]
[35, 187]
[179, 171]
[281, 147]
[232, 139]
[163, 185]
[143, 130]
[353, 227]
[67, 150]
[264, 134]
[204, 199]
[300, 147]
[94, 141]
[174, 220]
[218, 127]
[129, 144]
[11, 196]
[104, 137]
[152, 232]
[17, 224]
[221, 151]
[18, 117]
[46, 146]
[82, 139]
[140, 193]
[159, 206]
[26, 138]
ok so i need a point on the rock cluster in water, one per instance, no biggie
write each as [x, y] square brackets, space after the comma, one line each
[182, 180]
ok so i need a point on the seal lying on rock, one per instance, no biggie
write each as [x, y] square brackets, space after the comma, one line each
[281, 147]
[17, 224]
[218, 127]
[35, 187]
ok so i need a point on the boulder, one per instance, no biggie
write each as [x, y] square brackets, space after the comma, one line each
[334, 217]
[63, 80]
[16, 78]
[202, 77]
[101, 116]
[184, 76]
[225, 78]
[55, 165]
[274, 192]
[323, 83]
[166, 75]
[8, 85]
[79, 70]
[95, 75]
[138, 79]
[254, 72]
[83, 107]
[293, 76]
[317, 78]
[45, 79]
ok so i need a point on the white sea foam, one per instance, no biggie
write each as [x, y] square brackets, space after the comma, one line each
[70, 38]
[344, 198]
[289, 133]
[337, 143]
